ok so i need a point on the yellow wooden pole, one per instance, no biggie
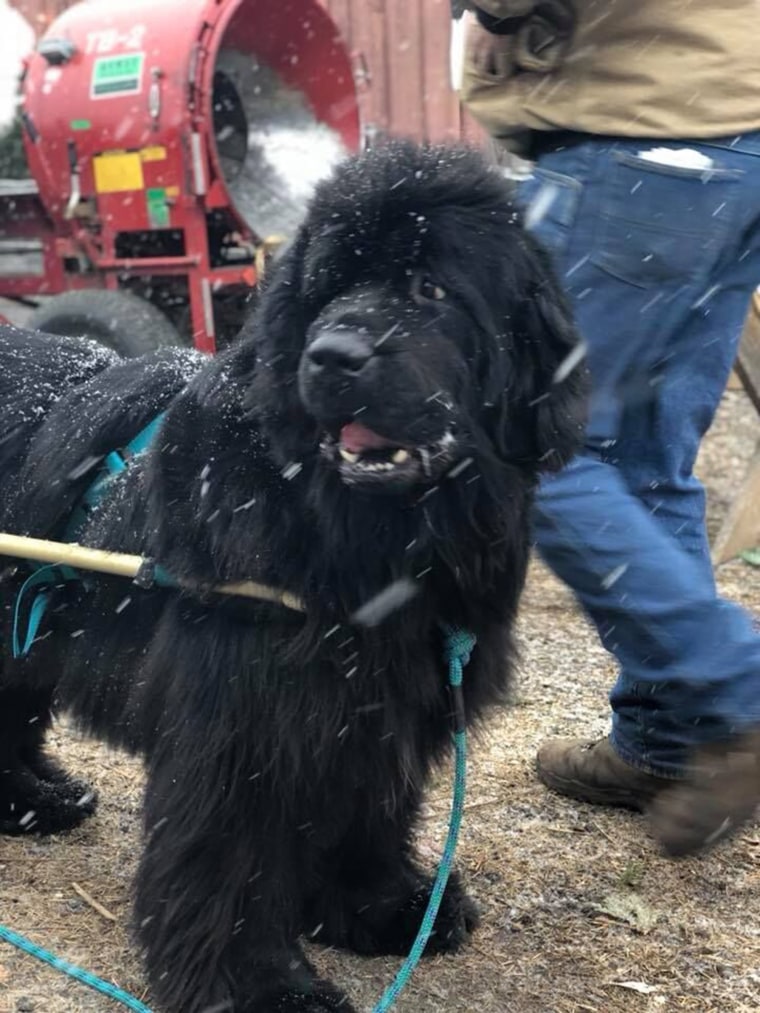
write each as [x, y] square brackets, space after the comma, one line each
[121, 564]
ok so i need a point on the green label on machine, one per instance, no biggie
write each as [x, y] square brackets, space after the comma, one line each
[158, 209]
[117, 75]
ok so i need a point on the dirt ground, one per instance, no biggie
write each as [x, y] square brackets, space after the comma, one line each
[580, 912]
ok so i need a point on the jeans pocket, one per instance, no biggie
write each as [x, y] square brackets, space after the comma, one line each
[659, 222]
[549, 201]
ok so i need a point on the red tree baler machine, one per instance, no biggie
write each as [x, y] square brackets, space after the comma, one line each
[171, 144]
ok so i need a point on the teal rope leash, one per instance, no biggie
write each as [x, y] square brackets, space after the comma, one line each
[459, 645]
[104, 987]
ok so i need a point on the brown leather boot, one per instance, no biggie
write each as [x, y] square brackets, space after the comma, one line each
[593, 772]
[720, 793]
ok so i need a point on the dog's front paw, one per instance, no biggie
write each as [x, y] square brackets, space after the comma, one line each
[378, 931]
[321, 997]
[457, 918]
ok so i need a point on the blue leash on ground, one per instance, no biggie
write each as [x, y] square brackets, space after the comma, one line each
[459, 645]
[104, 987]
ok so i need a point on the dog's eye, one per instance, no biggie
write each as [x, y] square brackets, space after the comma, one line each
[426, 290]
[432, 291]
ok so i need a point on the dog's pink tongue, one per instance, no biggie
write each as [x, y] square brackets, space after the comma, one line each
[356, 438]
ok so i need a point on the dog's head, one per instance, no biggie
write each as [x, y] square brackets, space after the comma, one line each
[414, 327]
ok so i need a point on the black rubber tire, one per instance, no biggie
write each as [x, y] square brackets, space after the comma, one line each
[122, 321]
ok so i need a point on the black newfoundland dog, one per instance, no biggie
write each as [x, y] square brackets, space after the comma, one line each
[380, 424]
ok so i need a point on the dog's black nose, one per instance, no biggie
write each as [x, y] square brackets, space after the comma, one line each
[344, 351]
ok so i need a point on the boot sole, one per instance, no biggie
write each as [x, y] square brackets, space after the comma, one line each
[621, 797]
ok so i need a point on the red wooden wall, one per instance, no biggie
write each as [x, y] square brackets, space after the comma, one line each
[404, 45]
[39, 13]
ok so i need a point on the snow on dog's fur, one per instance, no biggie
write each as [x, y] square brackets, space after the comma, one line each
[380, 424]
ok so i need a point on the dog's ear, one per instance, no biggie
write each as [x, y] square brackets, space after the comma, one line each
[272, 338]
[543, 406]
[268, 352]
[279, 320]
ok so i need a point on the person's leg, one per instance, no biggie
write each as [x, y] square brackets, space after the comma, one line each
[641, 273]
[690, 663]
[658, 442]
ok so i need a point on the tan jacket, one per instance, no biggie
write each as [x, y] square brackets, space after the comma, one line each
[630, 68]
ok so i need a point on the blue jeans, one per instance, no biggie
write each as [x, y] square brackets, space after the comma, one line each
[660, 262]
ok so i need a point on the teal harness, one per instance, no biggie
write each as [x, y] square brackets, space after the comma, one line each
[45, 578]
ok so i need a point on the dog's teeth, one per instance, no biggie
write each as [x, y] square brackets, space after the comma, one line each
[369, 465]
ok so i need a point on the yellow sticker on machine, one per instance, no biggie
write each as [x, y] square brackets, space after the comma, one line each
[117, 172]
[156, 153]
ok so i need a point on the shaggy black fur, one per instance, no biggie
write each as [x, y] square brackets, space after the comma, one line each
[287, 753]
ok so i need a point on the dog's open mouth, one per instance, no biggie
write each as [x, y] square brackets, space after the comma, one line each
[365, 457]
